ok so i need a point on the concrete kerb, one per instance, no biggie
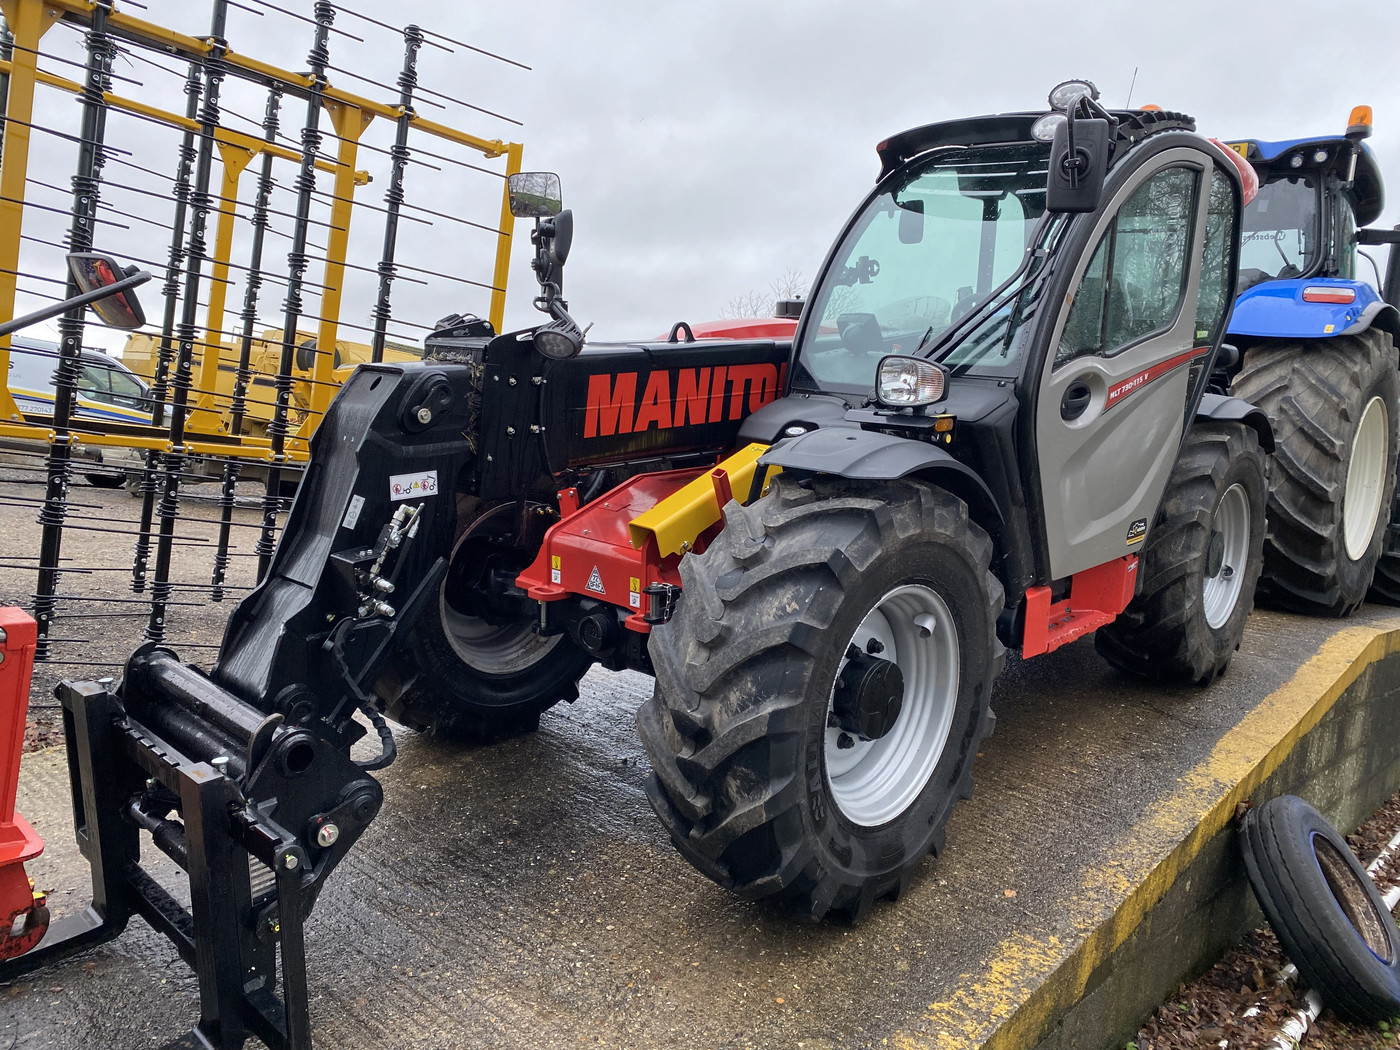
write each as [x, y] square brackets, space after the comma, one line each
[1331, 734]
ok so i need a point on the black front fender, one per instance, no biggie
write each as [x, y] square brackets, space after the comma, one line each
[865, 455]
[1222, 409]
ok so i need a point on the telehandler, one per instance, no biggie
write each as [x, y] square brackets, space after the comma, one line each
[992, 430]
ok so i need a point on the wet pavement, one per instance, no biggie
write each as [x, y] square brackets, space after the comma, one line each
[523, 895]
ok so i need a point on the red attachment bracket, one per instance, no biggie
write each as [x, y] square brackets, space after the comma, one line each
[1096, 597]
[589, 551]
[24, 916]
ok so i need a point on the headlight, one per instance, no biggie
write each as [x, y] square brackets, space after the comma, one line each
[906, 382]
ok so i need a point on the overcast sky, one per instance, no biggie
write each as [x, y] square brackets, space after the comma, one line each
[708, 148]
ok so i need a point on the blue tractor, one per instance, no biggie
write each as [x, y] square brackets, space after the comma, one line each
[1316, 346]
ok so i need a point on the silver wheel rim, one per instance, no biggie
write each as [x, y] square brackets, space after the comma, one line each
[873, 781]
[1221, 592]
[485, 647]
[491, 649]
[1361, 502]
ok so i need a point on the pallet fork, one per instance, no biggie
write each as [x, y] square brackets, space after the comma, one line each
[252, 881]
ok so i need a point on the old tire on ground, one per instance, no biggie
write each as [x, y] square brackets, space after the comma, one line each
[1325, 909]
[1200, 565]
[460, 676]
[1333, 405]
[755, 786]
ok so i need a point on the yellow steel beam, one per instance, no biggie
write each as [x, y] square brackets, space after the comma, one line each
[488, 148]
[503, 241]
[248, 448]
[224, 136]
[122, 23]
[689, 511]
[350, 123]
[28, 21]
[235, 159]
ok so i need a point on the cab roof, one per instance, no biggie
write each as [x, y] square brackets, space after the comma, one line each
[1005, 128]
[1367, 192]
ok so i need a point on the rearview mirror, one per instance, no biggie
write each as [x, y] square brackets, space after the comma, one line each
[535, 194]
[1075, 182]
[911, 222]
[92, 271]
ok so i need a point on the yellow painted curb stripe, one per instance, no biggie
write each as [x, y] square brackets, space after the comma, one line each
[1029, 981]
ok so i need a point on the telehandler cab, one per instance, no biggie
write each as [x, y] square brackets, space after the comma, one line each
[992, 429]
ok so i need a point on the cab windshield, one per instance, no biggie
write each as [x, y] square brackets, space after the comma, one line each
[1282, 230]
[923, 255]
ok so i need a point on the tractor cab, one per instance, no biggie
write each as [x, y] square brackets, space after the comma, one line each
[1298, 275]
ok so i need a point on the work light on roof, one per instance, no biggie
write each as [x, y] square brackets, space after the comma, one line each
[1043, 130]
[1064, 95]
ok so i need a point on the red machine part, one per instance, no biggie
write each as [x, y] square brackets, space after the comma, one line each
[24, 916]
[1096, 597]
[589, 552]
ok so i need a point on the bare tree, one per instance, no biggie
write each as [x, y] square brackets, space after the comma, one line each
[790, 284]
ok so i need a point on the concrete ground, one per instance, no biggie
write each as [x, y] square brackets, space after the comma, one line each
[523, 895]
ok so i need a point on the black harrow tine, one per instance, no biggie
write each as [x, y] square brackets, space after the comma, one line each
[393, 196]
[314, 21]
[86, 184]
[195, 254]
[69, 62]
[478, 50]
[378, 84]
[194, 87]
[242, 374]
[64, 135]
[297, 261]
[62, 211]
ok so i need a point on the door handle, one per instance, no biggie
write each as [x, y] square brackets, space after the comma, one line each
[1075, 401]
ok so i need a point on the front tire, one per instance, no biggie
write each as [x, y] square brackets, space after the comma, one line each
[756, 787]
[1333, 406]
[463, 677]
[1201, 563]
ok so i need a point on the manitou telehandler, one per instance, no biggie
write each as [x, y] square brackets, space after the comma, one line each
[992, 429]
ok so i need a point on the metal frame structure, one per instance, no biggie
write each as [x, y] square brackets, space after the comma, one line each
[194, 421]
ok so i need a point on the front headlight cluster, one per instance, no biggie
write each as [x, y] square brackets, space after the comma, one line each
[908, 382]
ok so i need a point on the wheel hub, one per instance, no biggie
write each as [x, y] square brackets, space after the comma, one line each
[1215, 553]
[907, 698]
[869, 696]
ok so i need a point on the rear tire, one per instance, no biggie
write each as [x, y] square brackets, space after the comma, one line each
[459, 677]
[1333, 480]
[755, 786]
[1200, 565]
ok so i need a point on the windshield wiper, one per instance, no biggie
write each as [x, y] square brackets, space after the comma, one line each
[923, 342]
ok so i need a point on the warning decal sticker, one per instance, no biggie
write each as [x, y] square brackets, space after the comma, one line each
[595, 581]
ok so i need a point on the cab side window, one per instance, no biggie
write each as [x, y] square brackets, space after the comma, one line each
[1215, 275]
[1136, 277]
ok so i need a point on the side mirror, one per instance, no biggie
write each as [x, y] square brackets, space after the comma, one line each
[535, 194]
[93, 271]
[1078, 164]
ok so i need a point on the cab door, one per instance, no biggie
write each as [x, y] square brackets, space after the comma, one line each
[1112, 396]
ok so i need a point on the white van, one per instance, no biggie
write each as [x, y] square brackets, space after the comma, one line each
[108, 392]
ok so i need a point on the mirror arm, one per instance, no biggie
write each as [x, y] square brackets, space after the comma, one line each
[84, 299]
